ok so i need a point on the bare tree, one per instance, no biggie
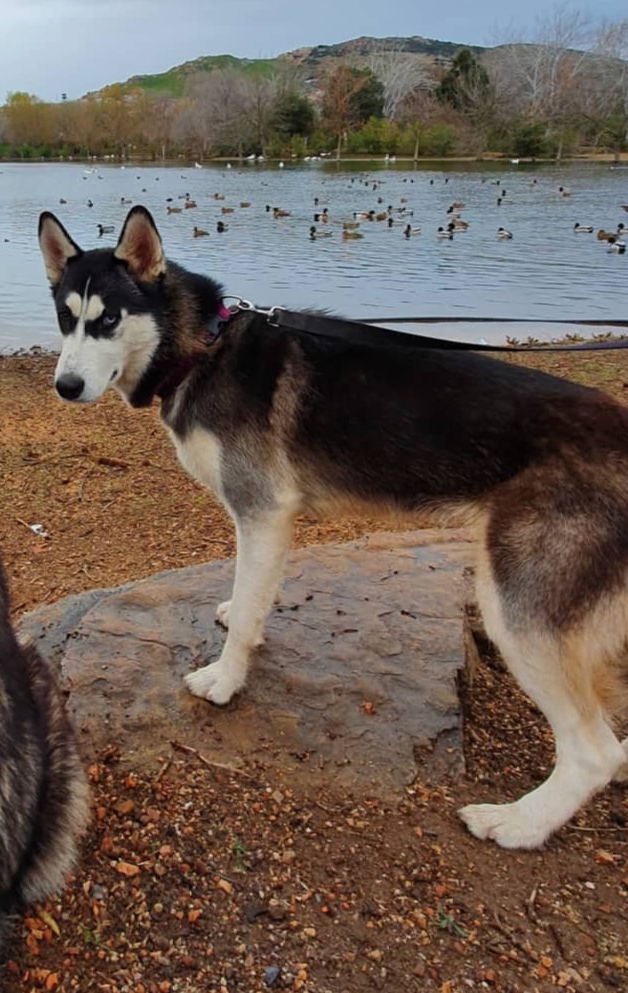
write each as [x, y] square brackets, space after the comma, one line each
[258, 96]
[419, 112]
[212, 115]
[157, 115]
[541, 80]
[610, 95]
[401, 74]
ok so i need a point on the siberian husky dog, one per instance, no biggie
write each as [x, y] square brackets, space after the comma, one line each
[43, 789]
[279, 422]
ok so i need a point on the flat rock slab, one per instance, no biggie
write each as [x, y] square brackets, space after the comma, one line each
[357, 681]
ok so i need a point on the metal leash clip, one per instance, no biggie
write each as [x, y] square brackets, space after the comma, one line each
[246, 305]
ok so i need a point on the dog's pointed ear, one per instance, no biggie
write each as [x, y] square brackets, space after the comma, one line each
[56, 246]
[140, 246]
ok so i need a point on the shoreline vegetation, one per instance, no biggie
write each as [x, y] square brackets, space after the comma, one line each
[488, 158]
[514, 344]
[556, 96]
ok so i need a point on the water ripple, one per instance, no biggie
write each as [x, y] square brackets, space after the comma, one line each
[545, 271]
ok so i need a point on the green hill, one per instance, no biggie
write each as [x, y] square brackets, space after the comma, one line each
[173, 81]
[314, 61]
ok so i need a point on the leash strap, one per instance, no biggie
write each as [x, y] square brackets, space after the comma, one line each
[368, 333]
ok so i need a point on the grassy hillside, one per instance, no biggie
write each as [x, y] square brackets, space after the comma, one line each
[173, 81]
[314, 60]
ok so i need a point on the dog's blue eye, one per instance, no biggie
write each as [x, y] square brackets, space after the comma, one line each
[109, 319]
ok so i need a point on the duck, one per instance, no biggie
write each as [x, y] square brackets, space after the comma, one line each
[563, 192]
[245, 203]
[603, 235]
[199, 232]
[221, 227]
[351, 225]
[319, 234]
[219, 196]
[278, 212]
[504, 234]
[90, 203]
[614, 245]
[459, 224]
[174, 210]
[61, 200]
[104, 229]
[409, 231]
[189, 204]
[349, 235]
[226, 210]
[123, 200]
[443, 233]
[583, 228]
[382, 216]
[364, 215]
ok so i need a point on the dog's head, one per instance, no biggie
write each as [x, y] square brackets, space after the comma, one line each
[108, 306]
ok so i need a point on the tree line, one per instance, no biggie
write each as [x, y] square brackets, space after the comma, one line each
[564, 90]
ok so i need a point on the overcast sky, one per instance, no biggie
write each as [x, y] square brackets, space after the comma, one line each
[50, 47]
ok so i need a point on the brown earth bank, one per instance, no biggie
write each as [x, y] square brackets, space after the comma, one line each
[196, 878]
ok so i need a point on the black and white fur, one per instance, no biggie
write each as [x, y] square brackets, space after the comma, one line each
[43, 789]
[279, 423]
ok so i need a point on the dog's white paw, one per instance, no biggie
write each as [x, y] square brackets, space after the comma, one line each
[222, 613]
[214, 683]
[505, 823]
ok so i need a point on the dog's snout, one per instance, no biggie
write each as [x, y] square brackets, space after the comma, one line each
[70, 386]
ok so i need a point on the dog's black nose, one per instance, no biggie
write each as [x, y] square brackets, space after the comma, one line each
[70, 386]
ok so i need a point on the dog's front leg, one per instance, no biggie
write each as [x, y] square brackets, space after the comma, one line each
[262, 544]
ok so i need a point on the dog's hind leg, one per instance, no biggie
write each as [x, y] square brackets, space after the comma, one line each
[262, 543]
[554, 671]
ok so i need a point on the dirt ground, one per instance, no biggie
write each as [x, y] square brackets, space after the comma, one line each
[195, 879]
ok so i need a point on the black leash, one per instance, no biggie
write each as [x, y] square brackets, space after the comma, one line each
[366, 331]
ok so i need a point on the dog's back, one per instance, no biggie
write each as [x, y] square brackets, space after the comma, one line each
[43, 790]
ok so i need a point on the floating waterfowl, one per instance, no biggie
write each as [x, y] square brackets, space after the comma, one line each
[314, 233]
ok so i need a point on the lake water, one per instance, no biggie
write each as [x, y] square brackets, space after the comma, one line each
[546, 271]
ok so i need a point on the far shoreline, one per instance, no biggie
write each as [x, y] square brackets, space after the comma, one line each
[486, 158]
